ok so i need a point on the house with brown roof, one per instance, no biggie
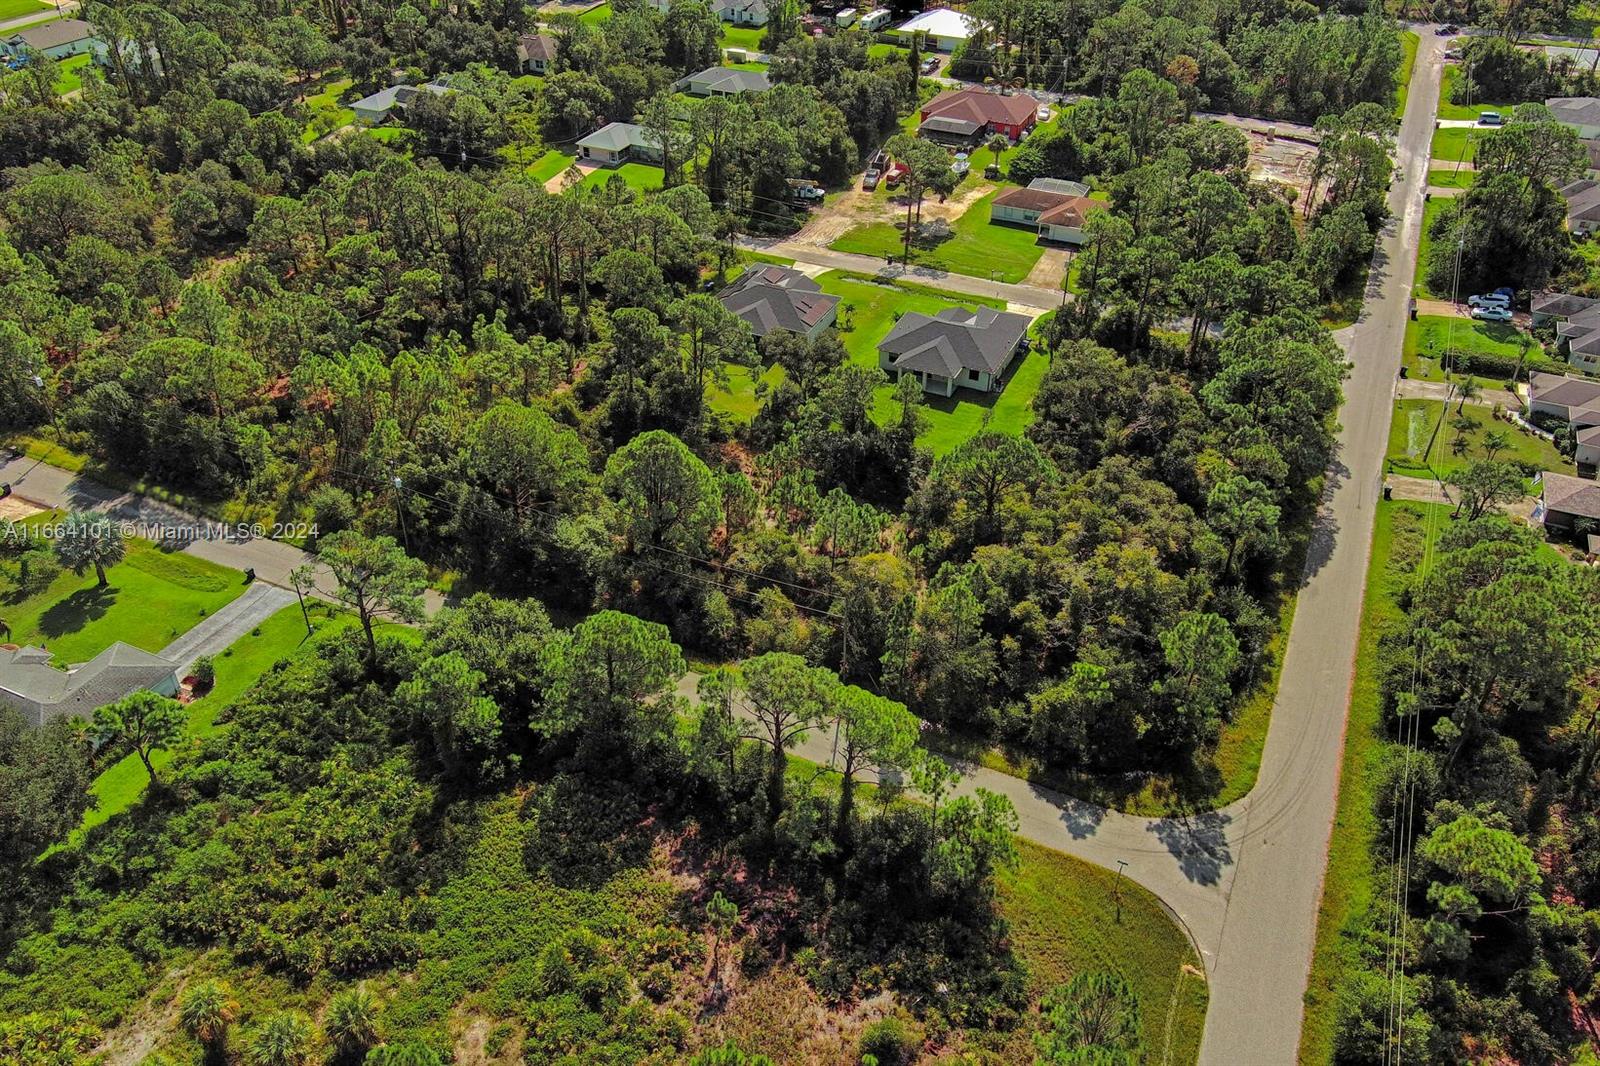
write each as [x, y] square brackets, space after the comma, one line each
[956, 348]
[966, 116]
[535, 53]
[1564, 501]
[770, 297]
[1058, 214]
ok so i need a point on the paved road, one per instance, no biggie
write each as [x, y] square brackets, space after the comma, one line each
[44, 14]
[272, 560]
[1036, 297]
[217, 632]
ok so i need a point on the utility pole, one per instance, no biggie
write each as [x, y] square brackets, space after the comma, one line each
[1116, 889]
[400, 512]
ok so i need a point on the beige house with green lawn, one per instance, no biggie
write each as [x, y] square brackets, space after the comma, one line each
[957, 348]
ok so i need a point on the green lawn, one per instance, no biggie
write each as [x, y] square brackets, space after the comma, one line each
[69, 74]
[1348, 883]
[867, 311]
[745, 37]
[1068, 917]
[596, 15]
[1423, 427]
[886, 51]
[1430, 337]
[238, 669]
[550, 164]
[1454, 143]
[978, 248]
[1450, 178]
[640, 176]
[152, 597]
[1408, 64]
[324, 113]
[14, 9]
[1454, 73]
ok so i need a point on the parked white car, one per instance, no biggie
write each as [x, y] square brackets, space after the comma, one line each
[1044, 114]
[1492, 314]
[1489, 299]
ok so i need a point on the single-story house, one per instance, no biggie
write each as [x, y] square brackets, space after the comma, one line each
[769, 297]
[41, 692]
[972, 113]
[535, 53]
[377, 108]
[741, 12]
[956, 348]
[725, 81]
[620, 142]
[1564, 499]
[941, 28]
[58, 39]
[1575, 401]
[1581, 114]
[1587, 451]
[1591, 162]
[1583, 205]
[1577, 320]
[1058, 216]
[1557, 305]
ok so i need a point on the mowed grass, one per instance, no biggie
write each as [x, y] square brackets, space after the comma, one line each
[1451, 178]
[1453, 143]
[281, 636]
[1430, 211]
[1348, 883]
[867, 311]
[640, 176]
[14, 9]
[152, 598]
[747, 38]
[1408, 65]
[69, 74]
[1430, 338]
[550, 164]
[978, 248]
[1433, 434]
[324, 112]
[596, 15]
[1454, 74]
[1068, 917]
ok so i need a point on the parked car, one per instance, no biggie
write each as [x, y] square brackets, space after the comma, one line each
[869, 180]
[1045, 113]
[1491, 118]
[892, 176]
[1490, 299]
[1492, 314]
[1449, 27]
[930, 65]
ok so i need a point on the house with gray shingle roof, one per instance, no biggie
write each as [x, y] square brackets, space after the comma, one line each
[725, 81]
[770, 297]
[620, 142]
[1573, 400]
[535, 52]
[1564, 500]
[41, 692]
[1583, 205]
[377, 108]
[1580, 113]
[58, 39]
[956, 348]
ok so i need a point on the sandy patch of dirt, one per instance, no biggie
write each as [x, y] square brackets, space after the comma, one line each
[15, 509]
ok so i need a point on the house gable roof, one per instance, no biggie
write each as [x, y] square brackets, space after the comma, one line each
[1576, 110]
[770, 297]
[954, 340]
[1074, 212]
[1559, 304]
[1583, 200]
[616, 136]
[536, 46]
[27, 676]
[981, 106]
[1561, 391]
[942, 22]
[1060, 185]
[53, 34]
[731, 80]
[1571, 495]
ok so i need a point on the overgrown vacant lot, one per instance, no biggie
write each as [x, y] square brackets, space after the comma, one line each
[152, 597]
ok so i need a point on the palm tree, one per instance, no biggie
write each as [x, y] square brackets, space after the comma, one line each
[352, 1024]
[996, 144]
[1468, 389]
[284, 1039]
[1494, 442]
[206, 1011]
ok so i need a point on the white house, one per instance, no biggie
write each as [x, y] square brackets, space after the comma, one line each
[942, 28]
[1058, 209]
[741, 12]
[725, 81]
[377, 108]
[58, 39]
[620, 142]
[1579, 113]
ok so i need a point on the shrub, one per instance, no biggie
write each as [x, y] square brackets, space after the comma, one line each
[205, 673]
[889, 1042]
